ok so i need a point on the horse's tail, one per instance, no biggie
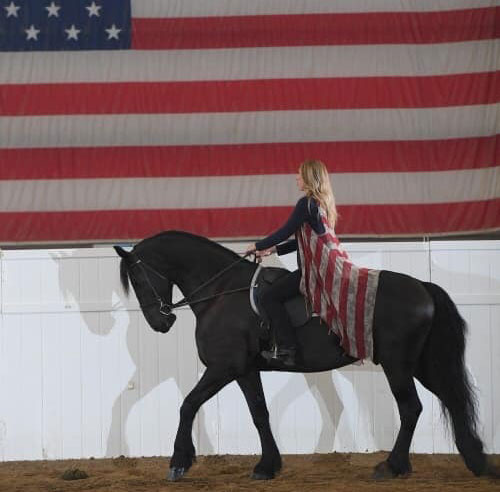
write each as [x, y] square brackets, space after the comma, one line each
[123, 269]
[442, 370]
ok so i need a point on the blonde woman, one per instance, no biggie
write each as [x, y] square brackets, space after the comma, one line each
[316, 209]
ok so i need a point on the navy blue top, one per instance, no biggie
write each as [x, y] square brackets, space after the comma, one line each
[303, 212]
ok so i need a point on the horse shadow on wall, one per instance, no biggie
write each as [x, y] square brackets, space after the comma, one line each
[107, 312]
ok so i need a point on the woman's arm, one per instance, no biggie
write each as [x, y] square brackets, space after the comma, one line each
[296, 219]
[287, 247]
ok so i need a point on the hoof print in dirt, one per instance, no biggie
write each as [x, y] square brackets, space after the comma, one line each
[74, 474]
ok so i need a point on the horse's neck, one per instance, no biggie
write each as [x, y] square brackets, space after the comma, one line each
[195, 261]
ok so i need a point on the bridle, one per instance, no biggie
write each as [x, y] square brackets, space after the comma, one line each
[166, 308]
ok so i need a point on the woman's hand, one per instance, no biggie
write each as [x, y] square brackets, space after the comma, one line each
[251, 249]
[259, 254]
[266, 252]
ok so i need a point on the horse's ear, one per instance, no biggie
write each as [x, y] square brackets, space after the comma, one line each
[121, 252]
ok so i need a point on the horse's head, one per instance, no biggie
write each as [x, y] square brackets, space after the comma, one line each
[152, 288]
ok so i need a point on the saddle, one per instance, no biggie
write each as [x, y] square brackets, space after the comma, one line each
[296, 308]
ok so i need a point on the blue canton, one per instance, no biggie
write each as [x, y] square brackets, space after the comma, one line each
[46, 25]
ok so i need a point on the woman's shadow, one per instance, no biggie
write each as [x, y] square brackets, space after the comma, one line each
[152, 359]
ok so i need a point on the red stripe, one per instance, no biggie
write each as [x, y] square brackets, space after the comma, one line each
[246, 222]
[315, 29]
[320, 276]
[360, 312]
[249, 95]
[233, 160]
[344, 290]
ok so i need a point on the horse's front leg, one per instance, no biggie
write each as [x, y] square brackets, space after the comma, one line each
[212, 381]
[270, 462]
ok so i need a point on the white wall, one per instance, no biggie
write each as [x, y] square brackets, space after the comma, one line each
[81, 374]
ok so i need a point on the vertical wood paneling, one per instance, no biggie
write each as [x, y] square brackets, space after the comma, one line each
[113, 380]
[30, 404]
[4, 371]
[68, 278]
[71, 386]
[127, 411]
[329, 406]
[306, 416]
[495, 372]
[365, 425]
[52, 373]
[229, 409]
[12, 391]
[470, 272]
[92, 444]
[82, 374]
[148, 381]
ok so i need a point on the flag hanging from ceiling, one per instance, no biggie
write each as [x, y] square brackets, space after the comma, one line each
[122, 118]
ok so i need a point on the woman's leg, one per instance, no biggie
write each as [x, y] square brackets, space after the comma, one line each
[273, 301]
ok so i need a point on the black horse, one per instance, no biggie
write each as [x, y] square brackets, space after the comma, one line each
[418, 333]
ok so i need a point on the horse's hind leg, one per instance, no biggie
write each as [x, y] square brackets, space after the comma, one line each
[409, 406]
[468, 442]
[270, 462]
[211, 383]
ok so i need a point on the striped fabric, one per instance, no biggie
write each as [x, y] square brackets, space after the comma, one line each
[195, 115]
[341, 293]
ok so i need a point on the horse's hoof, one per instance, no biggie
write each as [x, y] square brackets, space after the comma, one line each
[175, 474]
[262, 476]
[383, 471]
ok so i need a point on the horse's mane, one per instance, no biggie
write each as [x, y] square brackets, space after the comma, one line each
[217, 248]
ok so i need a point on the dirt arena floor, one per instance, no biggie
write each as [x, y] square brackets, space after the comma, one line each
[319, 472]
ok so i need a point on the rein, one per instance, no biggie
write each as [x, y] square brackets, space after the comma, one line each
[166, 308]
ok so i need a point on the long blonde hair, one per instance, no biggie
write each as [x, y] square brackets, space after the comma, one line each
[317, 185]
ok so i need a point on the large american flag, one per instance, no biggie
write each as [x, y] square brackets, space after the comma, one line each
[121, 118]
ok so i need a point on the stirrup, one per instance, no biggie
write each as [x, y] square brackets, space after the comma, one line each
[285, 355]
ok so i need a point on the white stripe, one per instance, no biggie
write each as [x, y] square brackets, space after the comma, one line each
[369, 307]
[351, 309]
[250, 63]
[312, 272]
[249, 127]
[200, 8]
[417, 187]
[244, 191]
[337, 278]
[325, 255]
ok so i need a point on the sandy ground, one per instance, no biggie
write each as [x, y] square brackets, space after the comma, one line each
[335, 472]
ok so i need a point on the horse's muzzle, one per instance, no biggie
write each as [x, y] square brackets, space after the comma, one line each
[160, 322]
